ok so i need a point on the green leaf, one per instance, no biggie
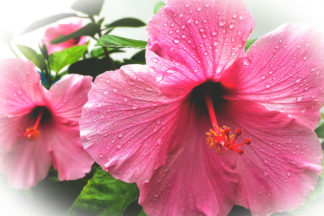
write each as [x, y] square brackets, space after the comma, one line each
[158, 6]
[249, 43]
[89, 30]
[116, 41]
[95, 53]
[126, 22]
[104, 195]
[320, 131]
[47, 20]
[33, 56]
[59, 60]
[90, 7]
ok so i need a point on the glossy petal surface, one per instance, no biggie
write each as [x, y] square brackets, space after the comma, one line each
[283, 71]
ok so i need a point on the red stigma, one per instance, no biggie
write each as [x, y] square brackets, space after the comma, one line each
[32, 133]
[221, 138]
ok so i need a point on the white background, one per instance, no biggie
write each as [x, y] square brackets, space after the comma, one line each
[17, 14]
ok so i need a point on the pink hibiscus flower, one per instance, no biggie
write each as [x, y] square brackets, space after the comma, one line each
[205, 126]
[69, 26]
[39, 127]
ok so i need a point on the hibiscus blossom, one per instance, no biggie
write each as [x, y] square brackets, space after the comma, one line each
[67, 27]
[205, 126]
[39, 127]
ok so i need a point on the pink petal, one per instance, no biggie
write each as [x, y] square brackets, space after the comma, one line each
[195, 180]
[284, 72]
[192, 41]
[125, 122]
[69, 157]
[66, 27]
[27, 162]
[20, 85]
[68, 95]
[281, 165]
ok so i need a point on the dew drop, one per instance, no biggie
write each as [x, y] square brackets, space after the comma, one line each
[221, 22]
[100, 156]
[105, 92]
[288, 174]
[246, 62]
[176, 41]
[155, 60]
[199, 9]
[120, 135]
[125, 99]
[263, 77]
[299, 99]
[268, 86]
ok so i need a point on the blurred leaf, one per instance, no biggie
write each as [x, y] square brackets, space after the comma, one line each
[137, 58]
[92, 67]
[95, 53]
[89, 30]
[100, 21]
[33, 56]
[133, 209]
[249, 43]
[44, 51]
[320, 131]
[126, 22]
[59, 60]
[142, 213]
[158, 6]
[90, 7]
[104, 195]
[47, 20]
[116, 41]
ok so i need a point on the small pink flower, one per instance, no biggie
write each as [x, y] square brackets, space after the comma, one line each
[69, 26]
[39, 127]
[205, 126]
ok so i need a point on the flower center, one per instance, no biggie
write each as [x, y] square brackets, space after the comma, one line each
[40, 115]
[220, 138]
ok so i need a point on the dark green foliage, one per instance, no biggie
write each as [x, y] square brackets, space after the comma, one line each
[104, 195]
[92, 67]
[126, 22]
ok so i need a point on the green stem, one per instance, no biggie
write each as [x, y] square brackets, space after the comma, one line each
[104, 48]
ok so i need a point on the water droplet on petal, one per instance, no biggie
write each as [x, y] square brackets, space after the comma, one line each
[176, 41]
[222, 22]
[120, 135]
[246, 62]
